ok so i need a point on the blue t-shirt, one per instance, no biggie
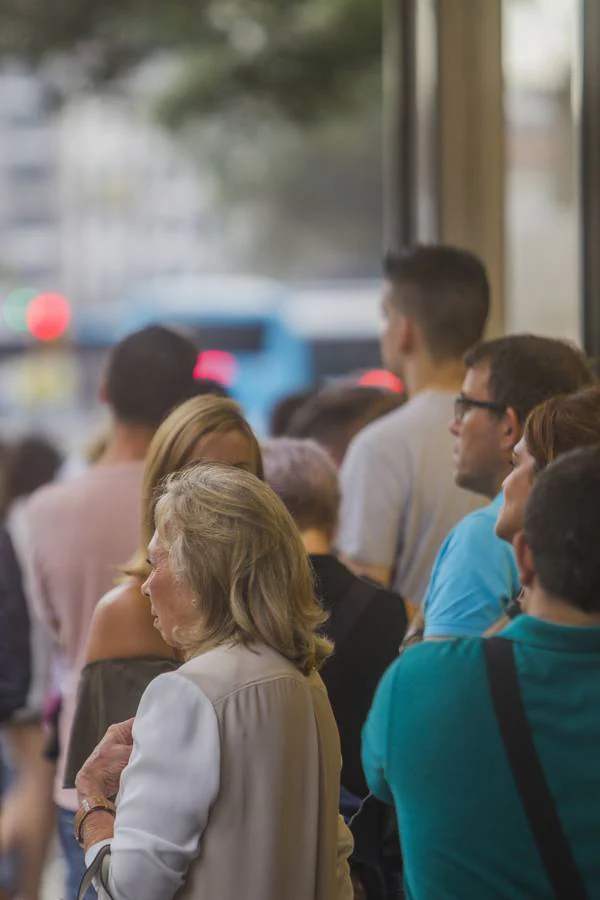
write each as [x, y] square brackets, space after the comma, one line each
[432, 747]
[474, 572]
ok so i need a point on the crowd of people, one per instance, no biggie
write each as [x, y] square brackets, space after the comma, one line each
[358, 658]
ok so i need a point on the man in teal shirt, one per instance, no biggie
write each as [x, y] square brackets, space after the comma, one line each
[432, 745]
[475, 572]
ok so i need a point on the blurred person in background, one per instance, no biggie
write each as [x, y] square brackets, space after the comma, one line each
[284, 410]
[77, 531]
[399, 499]
[335, 415]
[29, 463]
[475, 574]
[231, 776]
[27, 819]
[500, 795]
[96, 445]
[366, 623]
[124, 650]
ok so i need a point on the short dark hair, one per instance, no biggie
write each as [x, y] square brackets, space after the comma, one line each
[149, 373]
[335, 415]
[30, 463]
[284, 410]
[526, 370]
[211, 387]
[562, 524]
[448, 295]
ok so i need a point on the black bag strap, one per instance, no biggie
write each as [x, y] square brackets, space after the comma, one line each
[348, 611]
[96, 870]
[551, 841]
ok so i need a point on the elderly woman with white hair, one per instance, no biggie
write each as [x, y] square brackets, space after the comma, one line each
[228, 779]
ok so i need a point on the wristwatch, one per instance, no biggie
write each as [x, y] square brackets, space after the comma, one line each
[89, 805]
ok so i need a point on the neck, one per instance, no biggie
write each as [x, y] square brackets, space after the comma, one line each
[544, 606]
[496, 486]
[127, 443]
[420, 373]
[316, 543]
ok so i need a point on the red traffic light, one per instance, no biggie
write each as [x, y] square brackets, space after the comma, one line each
[217, 365]
[381, 378]
[48, 316]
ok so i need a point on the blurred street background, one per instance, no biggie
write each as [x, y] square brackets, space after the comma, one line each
[223, 172]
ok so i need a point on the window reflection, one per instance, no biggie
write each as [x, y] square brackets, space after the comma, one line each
[540, 57]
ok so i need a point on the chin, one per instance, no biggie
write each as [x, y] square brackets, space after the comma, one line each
[505, 531]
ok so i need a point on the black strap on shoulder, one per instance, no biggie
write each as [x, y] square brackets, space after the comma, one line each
[553, 846]
[96, 870]
[348, 611]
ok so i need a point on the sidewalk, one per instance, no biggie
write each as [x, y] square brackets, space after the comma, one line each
[54, 879]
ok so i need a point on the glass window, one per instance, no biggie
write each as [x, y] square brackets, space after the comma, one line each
[540, 57]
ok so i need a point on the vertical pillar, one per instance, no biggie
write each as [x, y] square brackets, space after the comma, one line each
[590, 177]
[399, 54]
[471, 157]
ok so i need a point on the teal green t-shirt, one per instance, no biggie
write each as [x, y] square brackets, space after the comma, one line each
[431, 746]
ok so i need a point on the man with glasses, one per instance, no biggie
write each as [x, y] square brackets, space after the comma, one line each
[475, 572]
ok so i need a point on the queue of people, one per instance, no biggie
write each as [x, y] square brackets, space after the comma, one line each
[358, 659]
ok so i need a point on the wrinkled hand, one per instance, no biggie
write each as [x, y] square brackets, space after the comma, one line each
[101, 773]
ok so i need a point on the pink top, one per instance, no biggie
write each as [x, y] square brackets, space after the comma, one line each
[76, 533]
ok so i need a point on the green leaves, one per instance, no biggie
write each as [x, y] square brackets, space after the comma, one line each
[301, 58]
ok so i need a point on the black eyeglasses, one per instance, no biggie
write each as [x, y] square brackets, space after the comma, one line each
[463, 404]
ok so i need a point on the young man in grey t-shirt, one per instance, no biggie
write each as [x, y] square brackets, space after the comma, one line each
[399, 499]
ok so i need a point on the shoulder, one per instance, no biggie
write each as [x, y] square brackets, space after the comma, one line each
[122, 627]
[385, 603]
[438, 669]
[374, 436]
[51, 498]
[478, 529]
[474, 570]
[227, 670]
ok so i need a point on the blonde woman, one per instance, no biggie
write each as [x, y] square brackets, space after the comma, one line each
[233, 763]
[124, 651]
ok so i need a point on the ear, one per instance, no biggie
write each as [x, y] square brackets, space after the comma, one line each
[511, 430]
[525, 562]
[406, 333]
[102, 392]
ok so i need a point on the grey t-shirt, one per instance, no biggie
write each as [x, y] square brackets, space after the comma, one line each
[399, 499]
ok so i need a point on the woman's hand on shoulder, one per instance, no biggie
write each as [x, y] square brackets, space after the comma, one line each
[122, 627]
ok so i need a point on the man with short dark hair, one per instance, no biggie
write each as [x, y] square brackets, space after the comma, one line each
[335, 415]
[75, 533]
[399, 500]
[499, 796]
[476, 572]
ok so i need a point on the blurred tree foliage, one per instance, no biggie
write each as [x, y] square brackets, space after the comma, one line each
[298, 56]
[284, 96]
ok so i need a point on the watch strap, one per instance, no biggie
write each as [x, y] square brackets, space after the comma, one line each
[90, 805]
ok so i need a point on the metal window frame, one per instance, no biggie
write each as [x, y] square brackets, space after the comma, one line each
[589, 175]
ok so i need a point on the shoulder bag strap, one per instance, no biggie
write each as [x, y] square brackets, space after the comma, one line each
[552, 844]
[348, 611]
[99, 871]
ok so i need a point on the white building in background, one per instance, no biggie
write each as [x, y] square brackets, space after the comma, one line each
[29, 165]
[95, 197]
[132, 206]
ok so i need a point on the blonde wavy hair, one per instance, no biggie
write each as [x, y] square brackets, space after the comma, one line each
[233, 543]
[170, 451]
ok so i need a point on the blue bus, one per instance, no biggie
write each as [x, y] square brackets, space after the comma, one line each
[244, 339]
